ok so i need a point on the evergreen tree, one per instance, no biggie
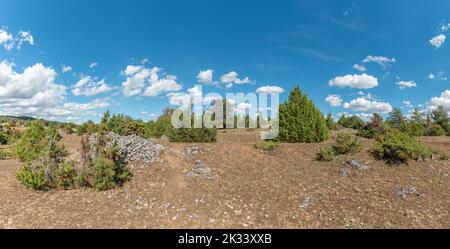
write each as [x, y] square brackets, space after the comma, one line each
[396, 118]
[331, 125]
[301, 121]
[417, 117]
[440, 117]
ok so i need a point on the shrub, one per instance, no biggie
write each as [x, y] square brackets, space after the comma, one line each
[3, 138]
[443, 156]
[64, 175]
[374, 128]
[433, 130]
[163, 124]
[352, 122]
[87, 128]
[32, 176]
[396, 118]
[108, 174]
[4, 154]
[107, 170]
[440, 117]
[331, 125]
[300, 120]
[266, 146]
[326, 154]
[32, 143]
[193, 135]
[345, 143]
[397, 147]
[412, 129]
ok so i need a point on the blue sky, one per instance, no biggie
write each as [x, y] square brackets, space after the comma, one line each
[134, 57]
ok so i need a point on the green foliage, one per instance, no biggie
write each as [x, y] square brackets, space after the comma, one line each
[4, 154]
[433, 130]
[331, 125]
[108, 174]
[397, 147]
[266, 146]
[326, 154]
[87, 128]
[345, 143]
[3, 138]
[32, 176]
[193, 135]
[107, 170]
[440, 117]
[443, 156]
[374, 128]
[163, 124]
[417, 117]
[300, 120]
[352, 122]
[396, 118]
[32, 143]
[69, 128]
[64, 175]
[412, 129]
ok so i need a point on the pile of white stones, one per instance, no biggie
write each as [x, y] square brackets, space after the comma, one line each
[135, 148]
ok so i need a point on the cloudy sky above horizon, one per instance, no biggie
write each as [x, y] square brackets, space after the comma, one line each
[72, 60]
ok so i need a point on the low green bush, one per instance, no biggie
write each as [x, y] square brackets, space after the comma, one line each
[345, 143]
[326, 154]
[4, 154]
[193, 135]
[108, 174]
[3, 138]
[397, 147]
[443, 156]
[434, 130]
[266, 146]
[32, 143]
[32, 176]
[412, 129]
[64, 175]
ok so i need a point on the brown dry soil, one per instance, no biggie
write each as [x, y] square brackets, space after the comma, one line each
[285, 188]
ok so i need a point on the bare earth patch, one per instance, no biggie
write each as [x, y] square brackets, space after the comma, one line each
[229, 184]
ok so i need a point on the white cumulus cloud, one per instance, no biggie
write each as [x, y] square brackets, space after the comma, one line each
[10, 41]
[362, 81]
[366, 105]
[269, 89]
[149, 82]
[360, 68]
[334, 100]
[437, 41]
[88, 86]
[406, 84]
[205, 77]
[66, 69]
[442, 100]
[233, 78]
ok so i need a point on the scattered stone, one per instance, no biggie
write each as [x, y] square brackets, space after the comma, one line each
[358, 165]
[202, 171]
[345, 172]
[405, 191]
[305, 203]
[194, 150]
[176, 152]
[134, 148]
[164, 138]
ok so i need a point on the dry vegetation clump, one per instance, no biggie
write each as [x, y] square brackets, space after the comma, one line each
[266, 146]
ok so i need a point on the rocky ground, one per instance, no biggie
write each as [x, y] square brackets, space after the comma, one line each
[229, 184]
